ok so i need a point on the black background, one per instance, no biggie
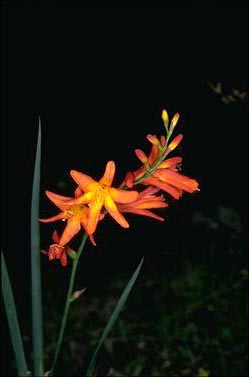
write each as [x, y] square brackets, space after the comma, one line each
[99, 74]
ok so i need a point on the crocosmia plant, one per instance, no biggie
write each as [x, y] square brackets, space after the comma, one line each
[142, 192]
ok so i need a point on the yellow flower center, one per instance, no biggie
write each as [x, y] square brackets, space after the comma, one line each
[77, 211]
[100, 194]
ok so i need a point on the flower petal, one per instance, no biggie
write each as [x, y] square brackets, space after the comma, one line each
[156, 202]
[60, 216]
[83, 199]
[84, 225]
[144, 212]
[114, 212]
[52, 196]
[63, 259]
[164, 186]
[78, 192]
[44, 252]
[84, 181]
[59, 200]
[109, 174]
[153, 154]
[149, 191]
[170, 162]
[92, 239]
[178, 180]
[72, 228]
[123, 196]
[55, 236]
[94, 213]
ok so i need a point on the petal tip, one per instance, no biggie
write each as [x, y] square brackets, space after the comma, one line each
[72, 172]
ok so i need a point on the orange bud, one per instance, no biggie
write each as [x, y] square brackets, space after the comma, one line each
[141, 155]
[175, 142]
[129, 179]
[174, 122]
[163, 140]
[153, 139]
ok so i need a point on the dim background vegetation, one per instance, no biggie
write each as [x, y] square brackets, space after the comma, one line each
[99, 75]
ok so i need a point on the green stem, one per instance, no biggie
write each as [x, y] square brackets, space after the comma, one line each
[68, 302]
[150, 171]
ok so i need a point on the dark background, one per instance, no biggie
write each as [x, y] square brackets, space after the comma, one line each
[99, 74]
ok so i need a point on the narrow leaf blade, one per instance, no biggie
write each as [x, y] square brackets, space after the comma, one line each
[114, 317]
[10, 308]
[37, 332]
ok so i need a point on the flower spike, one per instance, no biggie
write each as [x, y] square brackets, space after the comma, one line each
[93, 199]
[161, 172]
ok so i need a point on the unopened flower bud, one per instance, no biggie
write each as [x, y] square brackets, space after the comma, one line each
[141, 155]
[153, 139]
[163, 140]
[129, 179]
[71, 253]
[165, 116]
[175, 142]
[174, 122]
[77, 294]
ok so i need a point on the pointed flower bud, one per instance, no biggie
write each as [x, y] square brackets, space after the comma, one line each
[163, 140]
[174, 122]
[141, 155]
[153, 139]
[175, 142]
[129, 179]
[77, 294]
[165, 119]
[165, 116]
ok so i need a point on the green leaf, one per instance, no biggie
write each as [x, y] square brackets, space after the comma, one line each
[113, 318]
[37, 332]
[10, 308]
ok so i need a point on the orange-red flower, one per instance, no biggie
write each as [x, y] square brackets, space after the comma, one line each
[145, 201]
[57, 251]
[159, 173]
[99, 194]
[77, 215]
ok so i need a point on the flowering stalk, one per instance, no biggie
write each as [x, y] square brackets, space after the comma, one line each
[151, 170]
[94, 199]
[158, 146]
[68, 302]
[156, 170]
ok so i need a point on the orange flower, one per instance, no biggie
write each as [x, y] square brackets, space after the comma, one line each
[56, 251]
[171, 181]
[99, 194]
[159, 173]
[166, 177]
[76, 215]
[146, 200]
